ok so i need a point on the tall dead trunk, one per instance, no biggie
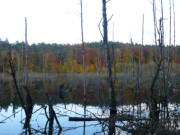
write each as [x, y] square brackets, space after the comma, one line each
[83, 54]
[154, 112]
[139, 70]
[174, 32]
[109, 71]
[108, 63]
[26, 44]
[154, 95]
[18, 57]
[22, 61]
[169, 60]
[114, 60]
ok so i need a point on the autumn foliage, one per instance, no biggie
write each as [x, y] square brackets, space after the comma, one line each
[55, 58]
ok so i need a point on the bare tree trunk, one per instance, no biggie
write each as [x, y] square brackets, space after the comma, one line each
[83, 54]
[75, 62]
[13, 73]
[98, 63]
[153, 101]
[44, 64]
[53, 65]
[108, 63]
[138, 83]
[132, 58]
[22, 61]
[140, 69]
[156, 44]
[174, 33]
[169, 65]
[155, 25]
[18, 57]
[3, 70]
[114, 60]
[154, 112]
[109, 71]
[26, 43]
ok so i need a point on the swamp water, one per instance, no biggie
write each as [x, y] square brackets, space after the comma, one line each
[68, 102]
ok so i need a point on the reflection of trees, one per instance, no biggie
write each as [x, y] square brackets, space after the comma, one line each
[52, 114]
[29, 110]
[29, 105]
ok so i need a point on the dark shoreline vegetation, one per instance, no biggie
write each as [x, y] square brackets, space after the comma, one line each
[73, 86]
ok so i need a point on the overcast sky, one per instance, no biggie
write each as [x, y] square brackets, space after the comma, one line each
[58, 21]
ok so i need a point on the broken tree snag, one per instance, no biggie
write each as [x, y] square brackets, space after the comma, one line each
[124, 117]
[86, 119]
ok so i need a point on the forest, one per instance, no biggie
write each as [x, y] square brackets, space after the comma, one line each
[56, 58]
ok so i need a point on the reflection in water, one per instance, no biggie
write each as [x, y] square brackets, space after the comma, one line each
[84, 128]
[52, 114]
[29, 110]
[97, 107]
[38, 120]
[14, 96]
[51, 120]
[112, 120]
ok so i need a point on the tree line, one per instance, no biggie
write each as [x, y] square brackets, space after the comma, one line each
[55, 58]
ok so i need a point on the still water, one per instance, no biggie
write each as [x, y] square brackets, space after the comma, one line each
[14, 124]
[67, 102]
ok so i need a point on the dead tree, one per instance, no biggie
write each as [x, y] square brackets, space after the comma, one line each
[138, 68]
[26, 45]
[83, 55]
[22, 59]
[154, 95]
[113, 110]
[174, 31]
[28, 107]
[114, 59]
[108, 63]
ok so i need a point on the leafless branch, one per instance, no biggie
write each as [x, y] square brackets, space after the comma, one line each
[46, 113]
[3, 121]
[33, 113]
[110, 18]
[108, 1]
[100, 27]
[3, 58]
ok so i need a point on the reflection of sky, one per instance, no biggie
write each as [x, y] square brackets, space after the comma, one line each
[12, 126]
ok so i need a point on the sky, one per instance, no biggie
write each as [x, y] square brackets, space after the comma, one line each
[58, 21]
